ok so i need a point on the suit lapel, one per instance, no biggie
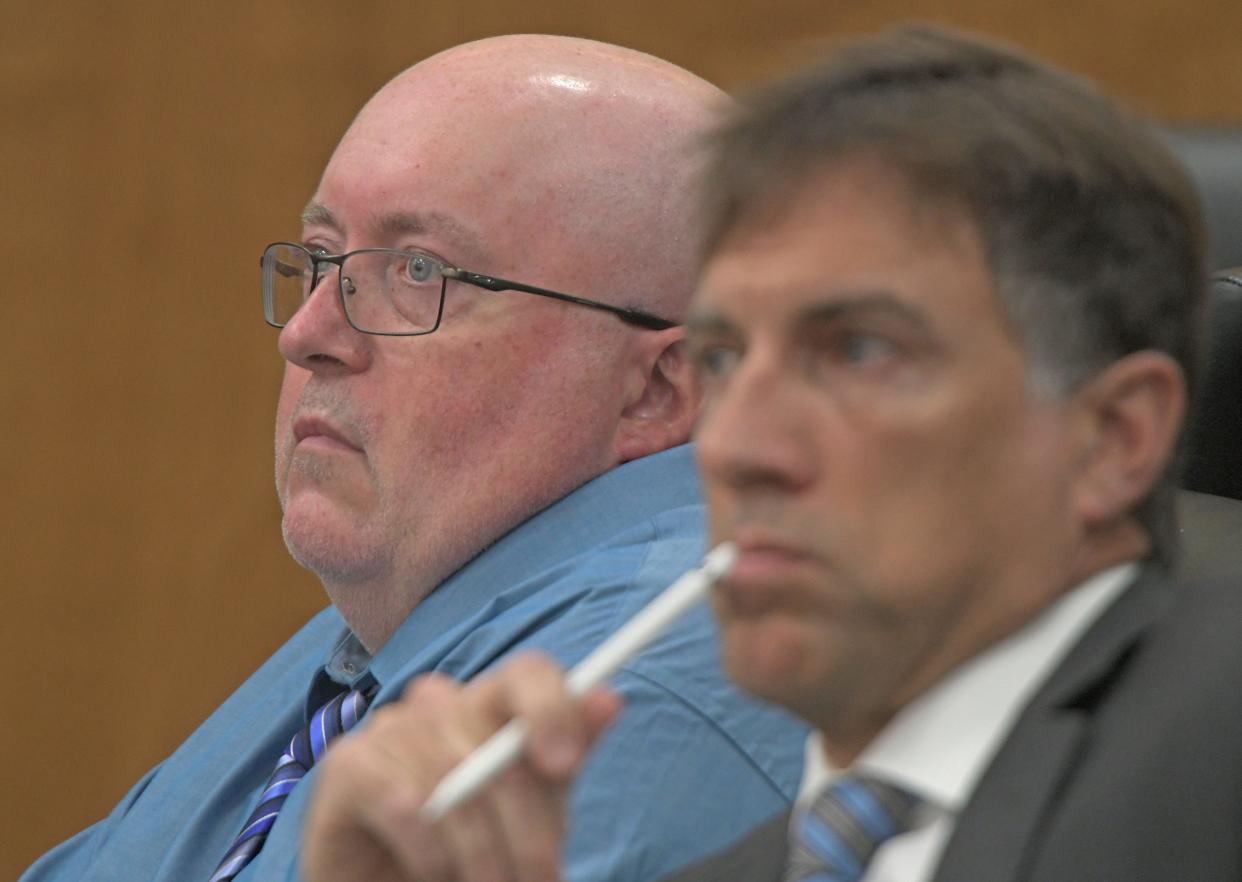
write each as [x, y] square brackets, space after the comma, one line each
[758, 857]
[998, 832]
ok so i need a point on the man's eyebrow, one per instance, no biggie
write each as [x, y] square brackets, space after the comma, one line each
[421, 223]
[316, 214]
[824, 311]
[417, 223]
[862, 302]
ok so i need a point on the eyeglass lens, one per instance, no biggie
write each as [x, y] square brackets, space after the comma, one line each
[385, 292]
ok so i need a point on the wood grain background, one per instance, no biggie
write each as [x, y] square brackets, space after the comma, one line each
[149, 151]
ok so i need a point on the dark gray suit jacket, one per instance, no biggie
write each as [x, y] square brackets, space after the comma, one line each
[1125, 767]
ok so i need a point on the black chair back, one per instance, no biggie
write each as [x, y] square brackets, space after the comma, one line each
[1213, 446]
[1213, 156]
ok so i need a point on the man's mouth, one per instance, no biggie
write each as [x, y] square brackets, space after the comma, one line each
[320, 432]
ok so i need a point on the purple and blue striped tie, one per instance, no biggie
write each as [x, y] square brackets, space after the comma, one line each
[335, 718]
[834, 839]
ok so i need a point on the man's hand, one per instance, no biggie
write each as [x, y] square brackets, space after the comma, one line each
[365, 817]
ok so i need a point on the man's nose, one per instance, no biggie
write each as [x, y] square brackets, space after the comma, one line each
[319, 336]
[753, 432]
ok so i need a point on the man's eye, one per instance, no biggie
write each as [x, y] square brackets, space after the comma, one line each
[713, 360]
[420, 269]
[864, 348]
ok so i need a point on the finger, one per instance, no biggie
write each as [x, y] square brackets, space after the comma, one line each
[600, 709]
[515, 829]
[530, 813]
[529, 806]
[456, 721]
[364, 822]
[475, 843]
[380, 776]
[527, 801]
[532, 687]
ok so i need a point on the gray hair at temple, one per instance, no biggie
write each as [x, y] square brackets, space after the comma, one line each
[1092, 229]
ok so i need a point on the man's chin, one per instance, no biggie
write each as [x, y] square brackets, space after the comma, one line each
[765, 655]
[335, 552]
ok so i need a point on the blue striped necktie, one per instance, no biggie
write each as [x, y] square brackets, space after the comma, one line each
[335, 718]
[834, 839]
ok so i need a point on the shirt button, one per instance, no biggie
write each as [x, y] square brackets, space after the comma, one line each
[349, 668]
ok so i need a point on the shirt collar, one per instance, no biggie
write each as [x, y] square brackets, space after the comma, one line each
[940, 744]
[616, 500]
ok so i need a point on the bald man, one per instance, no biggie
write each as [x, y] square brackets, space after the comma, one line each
[475, 465]
[947, 328]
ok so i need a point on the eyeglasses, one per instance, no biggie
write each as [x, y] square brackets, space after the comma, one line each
[391, 293]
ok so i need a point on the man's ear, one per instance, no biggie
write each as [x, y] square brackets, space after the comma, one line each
[662, 399]
[1132, 415]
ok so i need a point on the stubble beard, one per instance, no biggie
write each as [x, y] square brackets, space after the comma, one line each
[339, 547]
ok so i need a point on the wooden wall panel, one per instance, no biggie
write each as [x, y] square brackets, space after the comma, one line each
[149, 151]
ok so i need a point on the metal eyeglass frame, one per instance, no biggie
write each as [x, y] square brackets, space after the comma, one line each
[636, 317]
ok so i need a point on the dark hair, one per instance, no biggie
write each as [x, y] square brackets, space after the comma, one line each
[1092, 229]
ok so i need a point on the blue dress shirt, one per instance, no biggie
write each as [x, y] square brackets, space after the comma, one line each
[690, 766]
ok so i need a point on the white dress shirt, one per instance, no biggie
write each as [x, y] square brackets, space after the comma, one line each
[939, 745]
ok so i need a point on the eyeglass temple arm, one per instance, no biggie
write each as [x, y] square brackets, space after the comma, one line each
[491, 283]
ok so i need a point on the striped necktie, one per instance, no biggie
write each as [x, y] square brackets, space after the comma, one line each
[333, 719]
[834, 839]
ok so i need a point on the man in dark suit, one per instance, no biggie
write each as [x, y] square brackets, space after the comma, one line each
[946, 328]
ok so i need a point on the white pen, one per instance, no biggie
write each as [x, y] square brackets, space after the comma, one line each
[502, 749]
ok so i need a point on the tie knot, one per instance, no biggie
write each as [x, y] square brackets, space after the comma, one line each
[835, 837]
[334, 718]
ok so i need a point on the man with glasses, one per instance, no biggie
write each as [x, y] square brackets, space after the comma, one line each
[947, 327]
[473, 465]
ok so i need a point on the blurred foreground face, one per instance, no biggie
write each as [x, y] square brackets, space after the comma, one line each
[900, 494]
